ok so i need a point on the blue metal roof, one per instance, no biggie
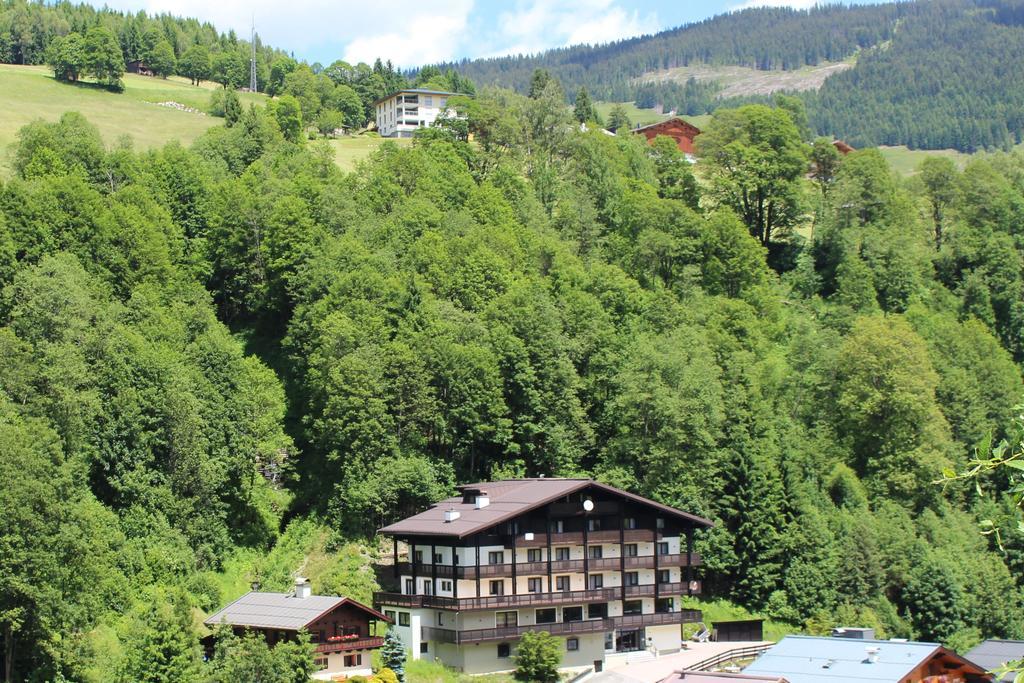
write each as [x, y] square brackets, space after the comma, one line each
[806, 659]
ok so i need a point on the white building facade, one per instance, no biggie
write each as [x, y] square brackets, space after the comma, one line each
[602, 570]
[399, 115]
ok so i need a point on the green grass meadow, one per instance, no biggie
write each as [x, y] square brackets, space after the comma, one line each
[28, 93]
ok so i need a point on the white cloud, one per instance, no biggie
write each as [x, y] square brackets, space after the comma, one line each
[539, 24]
[407, 34]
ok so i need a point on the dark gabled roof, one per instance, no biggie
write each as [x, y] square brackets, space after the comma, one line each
[994, 653]
[282, 611]
[418, 91]
[508, 499]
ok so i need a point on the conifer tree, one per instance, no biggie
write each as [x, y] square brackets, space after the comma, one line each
[392, 654]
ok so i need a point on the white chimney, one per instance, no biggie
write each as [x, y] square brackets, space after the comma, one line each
[451, 514]
[872, 654]
[302, 588]
[482, 500]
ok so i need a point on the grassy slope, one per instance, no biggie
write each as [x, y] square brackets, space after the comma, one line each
[350, 151]
[30, 92]
[646, 116]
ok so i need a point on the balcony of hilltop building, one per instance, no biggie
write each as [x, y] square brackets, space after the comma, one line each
[655, 590]
[505, 569]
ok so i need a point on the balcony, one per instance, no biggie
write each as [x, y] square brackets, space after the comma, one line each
[441, 635]
[532, 599]
[447, 571]
[365, 643]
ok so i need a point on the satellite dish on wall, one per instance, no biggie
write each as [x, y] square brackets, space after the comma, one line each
[588, 505]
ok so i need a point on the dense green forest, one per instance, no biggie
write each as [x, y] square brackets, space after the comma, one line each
[207, 349]
[931, 74]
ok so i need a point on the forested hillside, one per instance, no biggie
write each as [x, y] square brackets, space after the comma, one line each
[203, 343]
[929, 74]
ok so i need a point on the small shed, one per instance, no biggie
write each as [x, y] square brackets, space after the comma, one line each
[137, 66]
[680, 130]
[747, 630]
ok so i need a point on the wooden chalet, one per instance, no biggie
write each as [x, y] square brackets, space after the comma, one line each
[842, 147]
[683, 132]
[341, 627]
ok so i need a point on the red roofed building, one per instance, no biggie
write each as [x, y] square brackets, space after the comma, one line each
[679, 130]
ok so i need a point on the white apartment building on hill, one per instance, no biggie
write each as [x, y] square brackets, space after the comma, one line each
[399, 115]
[601, 569]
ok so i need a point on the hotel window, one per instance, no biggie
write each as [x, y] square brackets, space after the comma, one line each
[558, 526]
[632, 578]
[593, 524]
[598, 610]
[423, 648]
[446, 585]
[390, 614]
[596, 581]
[664, 576]
[418, 556]
[497, 588]
[440, 618]
[663, 548]
[353, 660]
[403, 618]
[504, 650]
[562, 583]
[572, 644]
[629, 523]
[428, 100]
[496, 557]
[595, 552]
[633, 607]
[561, 554]
[533, 555]
[572, 614]
[506, 619]
[631, 550]
[320, 664]
[444, 102]
[428, 587]
[438, 558]
[534, 586]
[662, 605]
[547, 616]
[410, 587]
[659, 523]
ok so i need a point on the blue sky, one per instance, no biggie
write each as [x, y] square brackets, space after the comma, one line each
[414, 32]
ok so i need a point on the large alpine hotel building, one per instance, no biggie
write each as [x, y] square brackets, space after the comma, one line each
[600, 568]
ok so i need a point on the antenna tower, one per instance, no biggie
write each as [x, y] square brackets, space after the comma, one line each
[252, 57]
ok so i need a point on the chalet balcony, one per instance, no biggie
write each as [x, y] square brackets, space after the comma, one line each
[441, 635]
[364, 643]
[533, 599]
[604, 564]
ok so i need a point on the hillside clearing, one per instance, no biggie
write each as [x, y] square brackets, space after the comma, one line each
[30, 93]
[741, 81]
[349, 151]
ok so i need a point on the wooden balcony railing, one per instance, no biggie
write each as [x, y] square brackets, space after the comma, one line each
[447, 571]
[365, 643]
[561, 628]
[545, 599]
